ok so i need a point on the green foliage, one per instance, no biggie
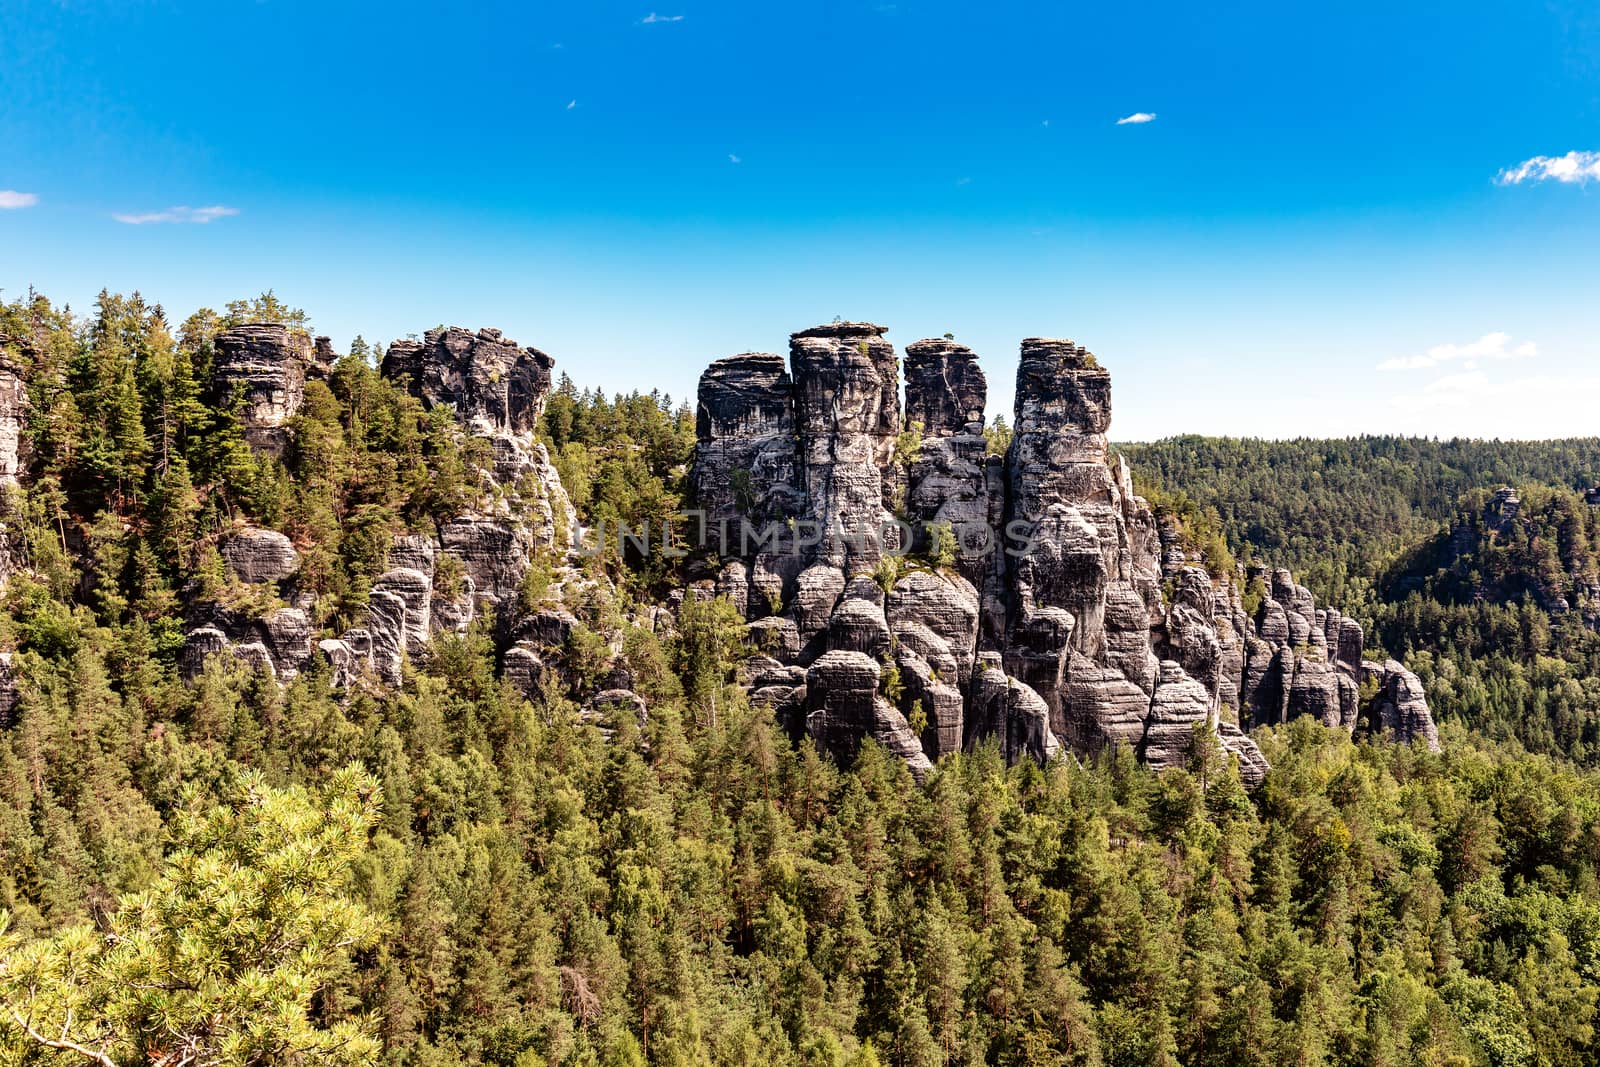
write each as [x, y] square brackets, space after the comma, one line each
[908, 445]
[997, 436]
[942, 546]
[563, 886]
[886, 572]
[710, 645]
[235, 955]
[624, 461]
[1396, 532]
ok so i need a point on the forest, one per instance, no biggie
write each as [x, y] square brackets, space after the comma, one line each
[241, 872]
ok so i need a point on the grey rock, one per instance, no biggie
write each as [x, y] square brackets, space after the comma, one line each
[1013, 714]
[841, 702]
[255, 656]
[847, 415]
[255, 555]
[199, 645]
[495, 385]
[386, 622]
[779, 637]
[266, 364]
[415, 590]
[344, 662]
[945, 389]
[944, 605]
[746, 455]
[817, 591]
[1400, 710]
[523, 668]
[1180, 704]
[13, 420]
[1065, 637]
[1251, 763]
[858, 626]
[1314, 691]
[10, 692]
[286, 635]
[493, 552]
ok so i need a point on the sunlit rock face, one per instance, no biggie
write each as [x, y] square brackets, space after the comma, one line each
[266, 364]
[497, 391]
[1063, 619]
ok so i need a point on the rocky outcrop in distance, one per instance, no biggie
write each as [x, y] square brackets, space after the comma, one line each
[1063, 618]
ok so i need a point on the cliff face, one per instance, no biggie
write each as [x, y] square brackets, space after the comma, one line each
[1048, 625]
[497, 390]
[1040, 603]
[267, 363]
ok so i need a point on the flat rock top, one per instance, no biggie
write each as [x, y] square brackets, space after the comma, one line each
[747, 362]
[843, 329]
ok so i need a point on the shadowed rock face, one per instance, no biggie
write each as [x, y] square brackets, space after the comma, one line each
[945, 389]
[260, 555]
[847, 414]
[267, 362]
[745, 457]
[1072, 642]
[495, 385]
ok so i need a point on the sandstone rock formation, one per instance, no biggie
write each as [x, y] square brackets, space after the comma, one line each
[266, 362]
[255, 555]
[13, 420]
[1068, 618]
[497, 391]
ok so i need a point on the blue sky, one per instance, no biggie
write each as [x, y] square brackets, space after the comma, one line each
[1331, 225]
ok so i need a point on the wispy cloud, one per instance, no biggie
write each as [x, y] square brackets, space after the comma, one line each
[653, 18]
[200, 215]
[733, 158]
[571, 104]
[1138, 118]
[1574, 168]
[10, 198]
[1491, 346]
[1526, 408]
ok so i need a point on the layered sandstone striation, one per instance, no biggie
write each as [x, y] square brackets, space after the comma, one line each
[266, 365]
[1063, 618]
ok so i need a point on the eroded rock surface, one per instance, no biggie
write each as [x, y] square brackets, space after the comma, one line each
[1065, 617]
[266, 362]
[255, 555]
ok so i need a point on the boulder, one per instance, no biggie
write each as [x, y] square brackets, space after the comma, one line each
[255, 555]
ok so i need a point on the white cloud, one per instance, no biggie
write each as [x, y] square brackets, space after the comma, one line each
[733, 158]
[10, 198]
[200, 215]
[1137, 118]
[1535, 407]
[1476, 382]
[1574, 168]
[1491, 346]
[653, 18]
[571, 104]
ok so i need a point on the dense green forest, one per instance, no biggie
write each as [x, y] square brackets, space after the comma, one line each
[1498, 619]
[242, 872]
